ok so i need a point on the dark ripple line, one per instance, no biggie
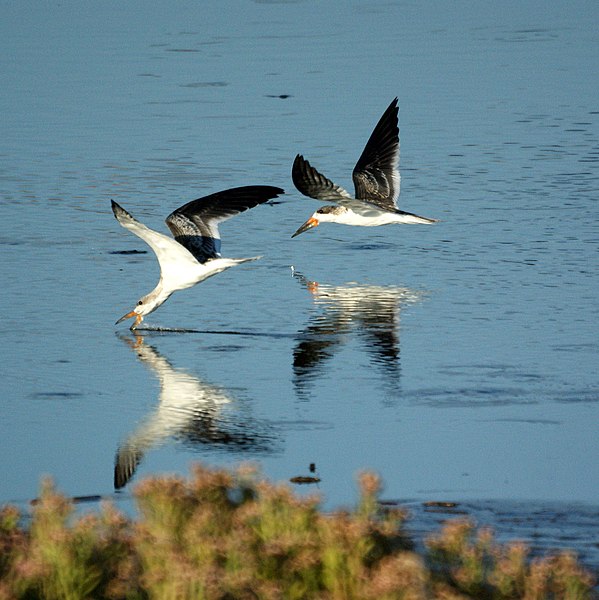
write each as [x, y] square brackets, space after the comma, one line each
[215, 332]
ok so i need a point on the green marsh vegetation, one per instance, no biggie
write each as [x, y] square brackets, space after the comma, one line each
[228, 534]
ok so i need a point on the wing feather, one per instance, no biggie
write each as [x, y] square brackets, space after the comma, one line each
[195, 224]
[166, 249]
[315, 185]
[376, 174]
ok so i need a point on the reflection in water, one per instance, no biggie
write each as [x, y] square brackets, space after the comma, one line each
[189, 411]
[370, 312]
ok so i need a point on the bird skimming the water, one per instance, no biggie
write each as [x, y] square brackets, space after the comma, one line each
[194, 254]
[376, 181]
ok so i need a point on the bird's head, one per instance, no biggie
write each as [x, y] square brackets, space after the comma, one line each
[330, 213]
[144, 307]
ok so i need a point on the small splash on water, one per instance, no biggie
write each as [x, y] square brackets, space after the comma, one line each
[56, 395]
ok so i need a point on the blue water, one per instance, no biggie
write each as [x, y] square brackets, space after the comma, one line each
[457, 360]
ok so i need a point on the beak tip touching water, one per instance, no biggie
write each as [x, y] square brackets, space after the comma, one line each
[127, 316]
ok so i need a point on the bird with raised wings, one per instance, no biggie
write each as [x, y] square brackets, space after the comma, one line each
[376, 180]
[194, 253]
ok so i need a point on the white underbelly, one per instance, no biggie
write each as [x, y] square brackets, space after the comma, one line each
[373, 218]
[369, 218]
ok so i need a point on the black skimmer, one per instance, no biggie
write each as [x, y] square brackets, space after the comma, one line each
[189, 411]
[376, 181]
[369, 312]
[194, 254]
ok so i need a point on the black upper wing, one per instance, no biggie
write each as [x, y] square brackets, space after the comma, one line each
[195, 224]
[376, 174]
[313, 184]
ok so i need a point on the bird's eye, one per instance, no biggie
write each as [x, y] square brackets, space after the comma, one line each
[139, 303]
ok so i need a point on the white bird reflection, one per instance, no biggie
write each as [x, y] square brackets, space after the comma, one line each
[190, 411]
[367, 311]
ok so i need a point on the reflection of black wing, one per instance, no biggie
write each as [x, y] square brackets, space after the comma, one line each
[379, 327]
[125, 463]
[247, 435]
[383, 345]
[316, 344]
[201, 430]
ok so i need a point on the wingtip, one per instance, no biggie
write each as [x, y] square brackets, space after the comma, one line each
[257, 191]
[428, 220]
[119, 212]
[299, 168]
[297, 163]
[116, 208]
[270, 192]
[126, 462]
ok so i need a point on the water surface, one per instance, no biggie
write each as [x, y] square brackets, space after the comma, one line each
[458, 360]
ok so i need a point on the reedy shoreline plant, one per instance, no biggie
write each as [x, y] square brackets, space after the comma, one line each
[224, 535]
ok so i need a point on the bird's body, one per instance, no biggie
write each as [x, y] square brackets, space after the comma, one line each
[194, 254]
[376, 180]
